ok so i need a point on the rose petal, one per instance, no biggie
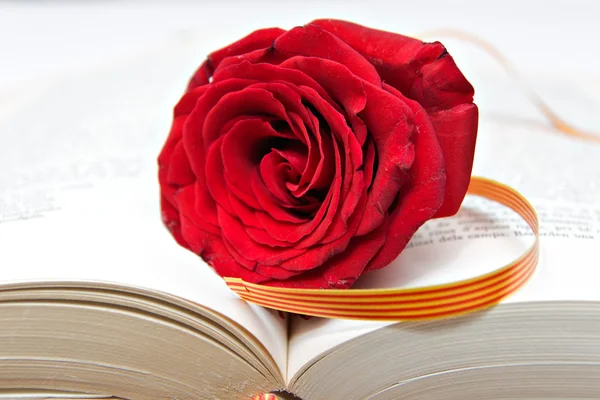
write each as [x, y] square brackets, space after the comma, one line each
[233, 232]
[276, 272]
[243, 147]
[248, 264]
[439, 84]
[341, 271]
[171, 219]
[262, 38]
[268, 73]
[318, 255]
[337, 125]
[313, 231]
[201, 76]
[317, 225]
[195, 231]
[188, 101]
[293, 156]
[369, 163]
[250, 101]
[214, 176]
[242, 210]
[291, 101]
[192, 128]
[261, 237]
[421, 200]
[174, 167]
[181, 111]
[352, 155]
[421, 71]
[273, 171]
[340, 226]
[359, 128]
[218, 256]
[260, 56]
[315, 256]
[180, 172]
[427, 73]
[353, 188]
[165, 156]
[269, 202]
[390, 122]
[259, 39]
[317, 171]
[385, 50]
[456, 130]
[317, 158]
[313, 41]
[205, 205]
[341, 84]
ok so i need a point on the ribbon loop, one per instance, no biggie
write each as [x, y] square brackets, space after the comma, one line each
[429, 302]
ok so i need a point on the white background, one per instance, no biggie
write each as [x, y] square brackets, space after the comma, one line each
[39, 39]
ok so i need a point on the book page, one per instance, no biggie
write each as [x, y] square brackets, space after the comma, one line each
[79, 195]
[559, 175]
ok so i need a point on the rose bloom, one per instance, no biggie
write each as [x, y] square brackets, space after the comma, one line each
[305, 158]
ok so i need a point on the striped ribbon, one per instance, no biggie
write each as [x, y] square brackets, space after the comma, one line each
[419, 303]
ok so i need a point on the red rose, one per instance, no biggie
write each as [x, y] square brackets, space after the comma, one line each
[304, 158]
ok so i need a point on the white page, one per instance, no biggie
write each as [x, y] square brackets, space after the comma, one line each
[79, 195]
[558, 174]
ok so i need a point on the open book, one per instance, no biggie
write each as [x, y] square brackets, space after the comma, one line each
[97, 300]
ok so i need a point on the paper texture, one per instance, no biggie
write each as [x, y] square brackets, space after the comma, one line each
[79, 196]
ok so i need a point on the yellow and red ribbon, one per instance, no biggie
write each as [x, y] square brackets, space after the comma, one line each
[419, 303]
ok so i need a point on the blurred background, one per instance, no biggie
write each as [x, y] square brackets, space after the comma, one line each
[39, 38]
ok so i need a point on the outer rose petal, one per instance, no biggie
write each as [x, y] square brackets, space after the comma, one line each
[424, 195]
[217, 256]
[456, 130]
[381, 48]
[407, 64]
[259, 39]
[341, 271]
[201, 76]
[313, 41]
[180, 113]
[180, 172]
[171, 219]
[192, 230]
[391, 126]
[424, 72]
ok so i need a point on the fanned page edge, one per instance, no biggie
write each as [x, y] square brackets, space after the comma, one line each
[244, 336]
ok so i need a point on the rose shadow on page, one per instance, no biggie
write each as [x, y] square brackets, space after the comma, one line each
[481, 238]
